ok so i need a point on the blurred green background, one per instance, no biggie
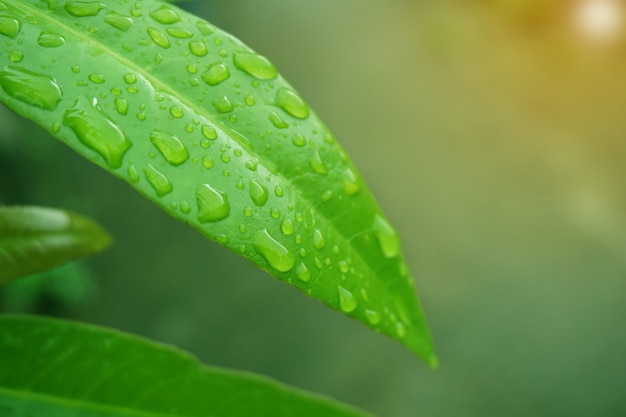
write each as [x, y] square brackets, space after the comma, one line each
[492, 133]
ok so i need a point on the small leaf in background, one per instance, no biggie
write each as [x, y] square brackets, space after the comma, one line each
[51, 367]
[208, 130]
[34, 239]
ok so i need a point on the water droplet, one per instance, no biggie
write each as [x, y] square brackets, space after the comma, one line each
[83, 8]
[50, 40]
[177, 111]
[215, 74]
[96, 78]
[130, 78]
[277, 255]
[400, 329]
[133, 175]
[118, 21]
[298, 140]
[303, 273]
[277, 121]
[275, 213]
[34, 89]
[344, 267]
[172, 149]
[159, 38]
[96, 131]
[278, 191]
[16, 56]
[350, 185]
[317, 165]
[179, 33]
[209, 132]
[347, 301]
[121, 105]
[165, 16]
[258, 193]
[292, 103]
[250, 100]
[223, 105]
[205, 28]
[319, 241]
[372, 317]
[157, 180]
[185, 207]
[328, 194]
[198, 48]
[256, 65]
[212, 204]
[287, 227]
[9, 26]
[225, 158]
[387, 237]
[207, 162]
[247, 212]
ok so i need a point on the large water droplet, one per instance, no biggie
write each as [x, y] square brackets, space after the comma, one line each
[165, 16]
[319, 241]
[198, 48]
[96, 78]
[50, 40]
[278, 121]
[347, 301]
[223, 105]
[118, 21]
[277, 255]
[216, 74]
[298, 140]
[16, 56]
[303, 273]
[292, 103]
[172, 149]
[179, 33]
[96, 131]
[34, 89]
[213, 205]
[159, 38]
[256, 65]
[258, 193]
[158, 181]
[83, 8]
[317, 165]
[121, 105]
[10, 26]
[387, 237]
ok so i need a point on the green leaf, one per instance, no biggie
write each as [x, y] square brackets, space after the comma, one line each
[208, 130]
[34, 239]
[57, 368]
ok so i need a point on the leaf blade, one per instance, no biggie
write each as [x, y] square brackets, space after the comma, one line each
[34, 239]
[59, 366]
[208, 130]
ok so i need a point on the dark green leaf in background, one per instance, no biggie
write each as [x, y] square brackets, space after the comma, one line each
[34, 239]
[208, 130]
[56, 368]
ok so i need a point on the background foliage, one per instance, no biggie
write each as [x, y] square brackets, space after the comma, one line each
[492, 134]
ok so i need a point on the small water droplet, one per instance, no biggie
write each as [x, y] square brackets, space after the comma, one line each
[34, 89]
[180, 33]
[303, 273]
[328, 194]
[10, 26]
[172, 149]
[177, 111]
[250, 100]
[121, 105]
[133, 175]
[213, 205]
[277, 255]
[205, 28]
[198, 48]
[96, 131]
[278, 191]
[16, 56]
[207, 162]
[298, 140]
[165, 16]
[75, 69]
[159, 38]
[372, 317]
[96, 78]
[247, 212]
[225, 158]
[83, 8]
[350, 184]
[400, 329]
[278, 121]
[258, 193]
[223, 105]
[292, 103]
[317, 165]
[347, 301]
[344, 267]
[208, 132]
[256, 65]
[319, 241]
[130, 78]
[275, 213]
[118, 21]
[215, 74]
[185, 207]
[50, 40]
[287, 227]
[387, 237]
[158, 181]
